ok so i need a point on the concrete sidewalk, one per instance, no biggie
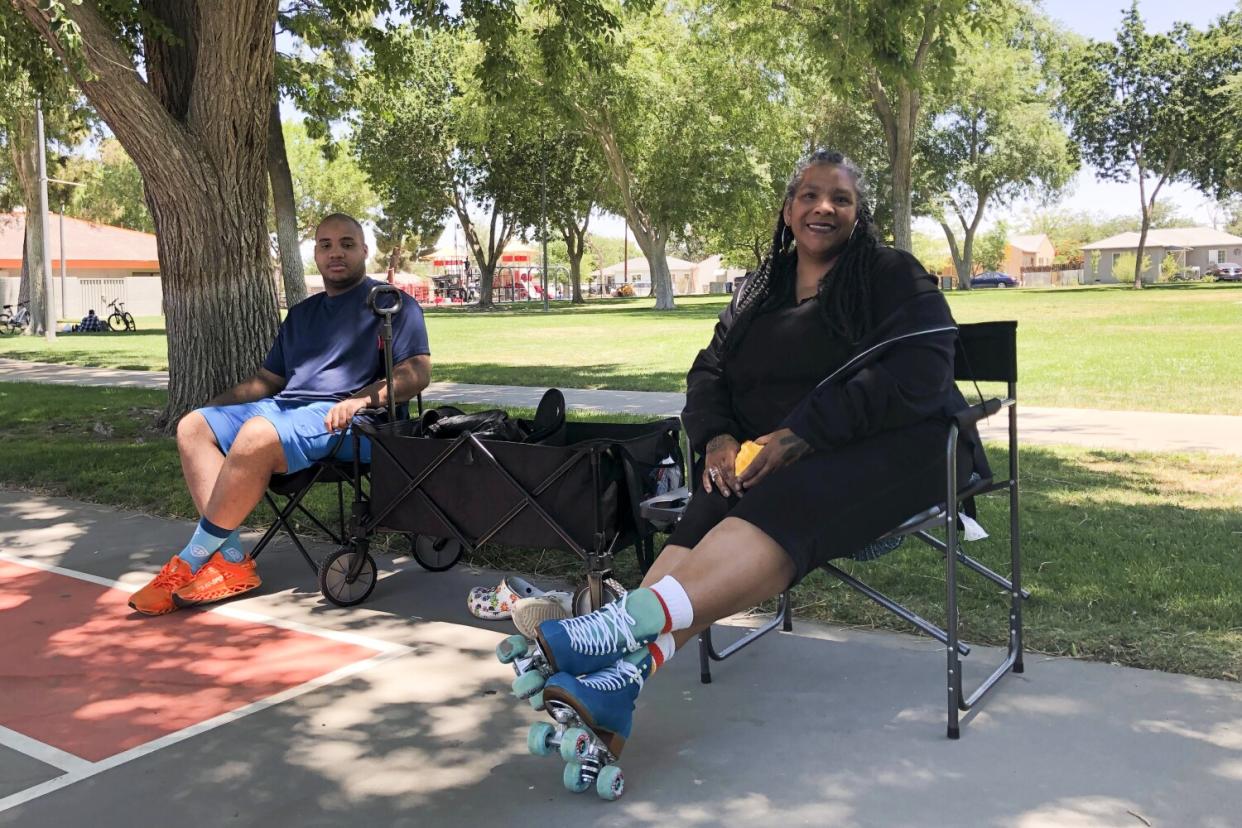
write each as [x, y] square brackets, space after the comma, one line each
[1086, 427]
[824, 726]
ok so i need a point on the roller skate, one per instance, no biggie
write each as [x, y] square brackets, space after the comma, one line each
[583, 645]
[593, 715]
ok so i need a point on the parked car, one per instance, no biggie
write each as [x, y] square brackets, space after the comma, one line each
[993, 278]
[1226, 272]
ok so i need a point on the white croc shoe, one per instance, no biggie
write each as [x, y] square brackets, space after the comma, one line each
[496, 603]
[529, 613]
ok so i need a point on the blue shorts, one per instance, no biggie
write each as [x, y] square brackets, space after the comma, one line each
[299, 424]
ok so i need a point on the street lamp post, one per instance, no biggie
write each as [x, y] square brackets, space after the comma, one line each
[543, 216]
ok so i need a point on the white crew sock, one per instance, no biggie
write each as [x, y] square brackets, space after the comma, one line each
[676, 603]
[662, 648]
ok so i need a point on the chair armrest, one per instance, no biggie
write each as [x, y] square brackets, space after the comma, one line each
[970, 416]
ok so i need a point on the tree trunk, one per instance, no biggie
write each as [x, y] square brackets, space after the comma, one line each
[1142, 244]
[24, 149]
[196, 126]
[575, 246]
[288, 237]
[898, 118]
[497, 239]
[654, 244]
[960, 266]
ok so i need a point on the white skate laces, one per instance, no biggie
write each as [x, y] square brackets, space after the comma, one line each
[596, 634]
[614, 678]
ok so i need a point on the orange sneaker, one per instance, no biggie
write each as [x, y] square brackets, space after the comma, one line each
[156, 598]
[218, 579]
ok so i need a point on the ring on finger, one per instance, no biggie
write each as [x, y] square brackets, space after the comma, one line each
[713, 473]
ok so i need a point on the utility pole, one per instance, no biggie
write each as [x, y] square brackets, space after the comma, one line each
[543, 215]
[49, 313]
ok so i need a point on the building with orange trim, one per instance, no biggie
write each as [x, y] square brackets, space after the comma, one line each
[102, 263]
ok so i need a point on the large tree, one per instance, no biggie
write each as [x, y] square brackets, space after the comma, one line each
[679, 119]
[29, 71]
[1144, 107]
[893, 55]
[996, 139]
[186, 88]
[427, 135]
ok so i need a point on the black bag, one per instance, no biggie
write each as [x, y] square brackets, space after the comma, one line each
[548, 427]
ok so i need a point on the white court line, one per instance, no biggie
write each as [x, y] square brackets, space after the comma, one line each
[78, 769]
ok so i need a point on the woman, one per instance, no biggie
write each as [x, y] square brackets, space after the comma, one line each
[836, 357]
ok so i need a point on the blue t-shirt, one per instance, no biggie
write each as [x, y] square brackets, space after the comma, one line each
[328, 347]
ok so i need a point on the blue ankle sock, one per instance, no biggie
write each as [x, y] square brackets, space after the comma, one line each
[231, 550]
[207, 538]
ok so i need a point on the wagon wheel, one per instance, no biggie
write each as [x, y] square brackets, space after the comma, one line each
[334, 580]
[435, 554]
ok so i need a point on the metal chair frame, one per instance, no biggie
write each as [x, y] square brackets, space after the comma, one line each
[1000, 366]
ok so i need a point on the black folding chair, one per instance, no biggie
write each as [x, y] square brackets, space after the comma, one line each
[986, 352]
[295, 487]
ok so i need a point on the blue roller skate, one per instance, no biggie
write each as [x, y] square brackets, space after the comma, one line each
[583, 645]
[593, 717]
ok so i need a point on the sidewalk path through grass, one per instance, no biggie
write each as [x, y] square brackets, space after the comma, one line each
[1088, 427]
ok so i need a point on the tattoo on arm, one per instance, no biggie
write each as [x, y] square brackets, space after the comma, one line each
[793, 447]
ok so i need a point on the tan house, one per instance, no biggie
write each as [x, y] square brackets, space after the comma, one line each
[1034, 250]
[1195, 249]
[101, 263]
[637, 273]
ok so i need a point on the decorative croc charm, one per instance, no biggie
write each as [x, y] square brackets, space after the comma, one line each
[496, 603]
[748, 452]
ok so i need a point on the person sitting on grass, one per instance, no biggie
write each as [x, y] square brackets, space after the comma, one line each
[320, 372]
[841, 460]
[91, 323]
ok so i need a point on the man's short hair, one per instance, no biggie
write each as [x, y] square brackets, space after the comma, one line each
[345, 217]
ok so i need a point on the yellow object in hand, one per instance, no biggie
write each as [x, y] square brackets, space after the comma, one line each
[748, 452]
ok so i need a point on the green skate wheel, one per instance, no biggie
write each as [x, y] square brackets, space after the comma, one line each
[610, 783]
[575, 743]
[536, 701]
[511, 649]
[537, 739]
[573, 779]
[528, 684]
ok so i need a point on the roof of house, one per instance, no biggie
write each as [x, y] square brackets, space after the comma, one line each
[1030, 243]
[1168, 237]
[639, 265]
[87, 244]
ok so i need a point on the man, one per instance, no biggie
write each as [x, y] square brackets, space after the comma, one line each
[319, 373]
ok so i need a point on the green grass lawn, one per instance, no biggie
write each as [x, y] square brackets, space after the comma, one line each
[1130, 557]
[1170, 348]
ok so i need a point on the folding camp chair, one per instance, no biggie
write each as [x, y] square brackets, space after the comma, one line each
[295, 487]
[985, 352]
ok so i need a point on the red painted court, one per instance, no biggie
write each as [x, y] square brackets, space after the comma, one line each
[82, 672]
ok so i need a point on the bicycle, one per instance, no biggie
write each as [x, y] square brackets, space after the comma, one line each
[120, 319]
[13, 322]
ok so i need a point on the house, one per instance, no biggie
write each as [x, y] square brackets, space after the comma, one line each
[101, 263]
[638, 274]
[1195, 249]
[1027, 251]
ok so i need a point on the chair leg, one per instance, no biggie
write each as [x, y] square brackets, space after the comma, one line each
[705, 662]
[787, 606]
[954, 666]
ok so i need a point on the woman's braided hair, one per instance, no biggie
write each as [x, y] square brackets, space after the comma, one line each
[845, 298]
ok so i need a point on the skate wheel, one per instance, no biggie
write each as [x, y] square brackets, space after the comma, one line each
[574, 779]
[610, 783]
[536, 701]
[511, 649]
[575, 744]
[334, 581]
[537, 739]
[528, 684]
